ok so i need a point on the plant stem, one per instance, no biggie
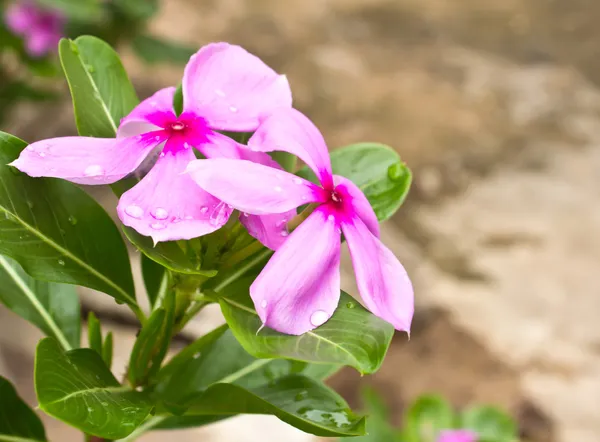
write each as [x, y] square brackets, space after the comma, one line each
[242, 254]
[139, 314]
[297, 220]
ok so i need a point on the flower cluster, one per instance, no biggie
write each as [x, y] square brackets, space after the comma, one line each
[225, 88]
[40, 28]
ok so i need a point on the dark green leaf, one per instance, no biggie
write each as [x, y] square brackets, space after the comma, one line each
[155, 279]
[179, 422]
[54, 308]
[79, 9]
[178, 100]
[300, 401]
[58, 233]
[77, 388]
[157, 50]
[379, 428]
[18, 422]
[152, 344]
[377, 170]
[101, 91]
[489, 423]
[107, 349]
[352, 336]
[137, 9]
[94, 333]
[426, 417]
[285, 160]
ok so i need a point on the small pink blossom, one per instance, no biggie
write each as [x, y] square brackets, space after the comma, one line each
[40, 28]
[224, 88]
[457, 436]
[299, 288]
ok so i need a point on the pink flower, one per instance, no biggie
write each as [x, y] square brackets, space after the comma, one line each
[457, 436]
[40, 28]
[224, 88]
[299, 288]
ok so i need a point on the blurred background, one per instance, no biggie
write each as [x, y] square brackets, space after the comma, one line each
[495, 105]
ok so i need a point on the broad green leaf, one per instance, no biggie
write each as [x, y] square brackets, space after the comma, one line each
[379, 428]
[94, 333]
[426, 417]
[152, 344]
[18, 422]
[54, 308]
[107, 349]
[157, 50]
[58, 233]
[352, 336]
[76, 387]
[300, 401]
[490, 424]
[377, 170]
[155, 279]
[178, 100]
[101, 91]
[87, 10]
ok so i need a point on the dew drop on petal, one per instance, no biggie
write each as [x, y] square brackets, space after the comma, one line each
[162, 154]
[219, 92]
[284, 233]
[244, 214]
[93, 170]
[233, 109]
[304, 198]
[160, 213]
[203, 209]
[281, 223]
[158, 226]
[153, 103]
[298, 180]
[134, 211]
[188, 217]
[263, 303]
[331, 218]
[278, 189]
[319, 318]
[41, 154]
[157, 138]
[186, 145]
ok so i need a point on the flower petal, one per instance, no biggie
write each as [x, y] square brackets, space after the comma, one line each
[167, 205]
[457, 436]
[357, 203]
[232, 88]
[291, 131]
[299, 288]
[154, 113]
[251, 187]
[270, 230]
[382, 281]
[21, 17]
[85, 160]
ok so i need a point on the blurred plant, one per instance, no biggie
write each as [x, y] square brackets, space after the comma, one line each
[430, 418]
[30, 31]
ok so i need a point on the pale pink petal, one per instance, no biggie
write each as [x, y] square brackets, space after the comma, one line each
[154, 113]
[85, 160]
[457, 436]
[382, 281]
[291, 131]
[253, 188]
[167, 205]
[299, 288]
[39, 43]
[357, 202]
[20, 17]
[232, 88]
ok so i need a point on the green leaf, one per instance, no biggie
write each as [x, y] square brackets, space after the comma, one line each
[285, 160]
[58, 233]
[489, 423]
[107, 349]
[54, 308]
[379, 428]
[79, 9]
[377, 170]
[151, 346]
[178, 100]
[137, 9]
[77, 388]
[101, 91]
[94, 333]
[300, 401]
[157, 50]
[18, 422]
[426, 417]
[155, 280]
[352, 336]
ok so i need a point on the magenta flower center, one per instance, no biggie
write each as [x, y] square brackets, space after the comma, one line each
[177, 126]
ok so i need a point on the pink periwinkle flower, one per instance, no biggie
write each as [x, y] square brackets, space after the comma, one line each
[457, 436]
[299, 288]
[40, 28]
[224, 88]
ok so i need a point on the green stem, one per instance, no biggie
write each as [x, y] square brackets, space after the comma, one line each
[242, 269]
[193, 311]
[297, 220]
[242, 254]
[139, 314]
[148, 425]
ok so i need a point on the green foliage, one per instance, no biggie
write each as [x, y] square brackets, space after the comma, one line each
[18, 422]
[155, 50]
[490, 423]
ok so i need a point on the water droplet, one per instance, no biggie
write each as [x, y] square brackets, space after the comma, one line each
[331, 218]
[186, 145]
[72, 220]
[278, 189]
[350, 304]
[197, 355]
[158, 226]
[61, 262]
[284, 233]
[233, 109]
[94, 170]
[162, 154]
[153, 103]
[41, 154]
[319, 318]
[139, 137]
[91, 69]
[160, 213]
[89, 408]
[157, 138]
[298, 180]
[281, 223]
[245, 214]
[188, 217]
[263, 303]
[219, 92]
[396, 171]
[30, 204]
[203, 209]
[301, 396]
[134, 211]
[29, 148]
[304, 198]
[104, 404]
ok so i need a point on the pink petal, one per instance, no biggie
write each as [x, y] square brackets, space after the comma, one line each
[154, 113]
[85, 160]
[39, 43]
[457, 436]
[232, 88]
[291, 131]
[20, 17]
[358, 202]
[251, 187]
[299, 288]
[382, 281]
[167, 205]
[270, 230]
